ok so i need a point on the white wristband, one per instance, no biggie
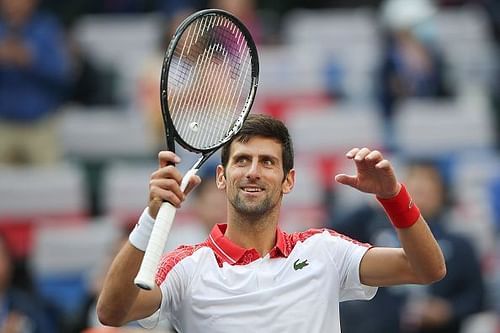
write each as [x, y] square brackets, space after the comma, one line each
[139, 237]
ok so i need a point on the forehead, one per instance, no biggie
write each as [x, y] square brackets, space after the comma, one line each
[257, 145]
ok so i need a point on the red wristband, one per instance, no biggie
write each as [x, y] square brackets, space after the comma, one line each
[401, 210]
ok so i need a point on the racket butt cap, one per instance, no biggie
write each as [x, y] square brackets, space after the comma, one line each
[143, 284]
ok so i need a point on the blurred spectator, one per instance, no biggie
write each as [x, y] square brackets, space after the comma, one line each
[175, 12]
[86, 316]
[33, 73]
[93, 84]
[246, 11]
[148, 88]
[86, 319]
[441, 307]
[492, 9]
[170, 8]
[495, 285]
[20, 312]
[209, 203]
[446, 304]
[411, 65]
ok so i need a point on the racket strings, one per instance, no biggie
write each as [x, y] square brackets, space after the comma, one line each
[198, 58]
[209, 81]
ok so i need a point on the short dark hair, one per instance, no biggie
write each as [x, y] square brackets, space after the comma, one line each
[268, 127]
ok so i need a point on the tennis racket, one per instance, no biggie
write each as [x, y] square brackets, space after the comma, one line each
[208, 83]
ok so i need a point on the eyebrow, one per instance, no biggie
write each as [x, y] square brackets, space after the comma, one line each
[261, 157]
[239, 155]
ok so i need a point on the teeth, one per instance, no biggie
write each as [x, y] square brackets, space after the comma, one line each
[252, 189]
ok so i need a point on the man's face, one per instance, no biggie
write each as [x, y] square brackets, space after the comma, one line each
[254, 179]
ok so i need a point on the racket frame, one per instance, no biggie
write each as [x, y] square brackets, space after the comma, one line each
[166, 214]
[171, 133]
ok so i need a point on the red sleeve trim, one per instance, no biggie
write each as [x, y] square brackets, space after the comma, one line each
[171, 259]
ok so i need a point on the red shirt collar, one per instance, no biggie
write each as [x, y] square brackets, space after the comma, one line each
[236, 255]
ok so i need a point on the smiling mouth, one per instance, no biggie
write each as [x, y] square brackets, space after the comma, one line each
[252, 189]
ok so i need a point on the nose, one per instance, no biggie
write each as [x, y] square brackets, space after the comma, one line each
[253, 171]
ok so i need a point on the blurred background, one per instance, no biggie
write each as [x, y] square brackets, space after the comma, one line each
[80, 129]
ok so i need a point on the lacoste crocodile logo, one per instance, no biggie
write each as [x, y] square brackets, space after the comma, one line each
[299, 265]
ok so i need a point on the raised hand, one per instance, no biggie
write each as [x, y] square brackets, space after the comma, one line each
[374, 174]
[164, 184]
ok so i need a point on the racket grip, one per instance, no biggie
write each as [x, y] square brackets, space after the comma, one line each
[145, 278]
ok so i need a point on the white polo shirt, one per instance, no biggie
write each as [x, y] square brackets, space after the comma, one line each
[217, 286]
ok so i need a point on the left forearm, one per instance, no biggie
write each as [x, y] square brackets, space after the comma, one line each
[425, 261]
[422, 252]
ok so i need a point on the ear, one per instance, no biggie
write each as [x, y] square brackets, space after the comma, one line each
[220, 179]
[289, 182]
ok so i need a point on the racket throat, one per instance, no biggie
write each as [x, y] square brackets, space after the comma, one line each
[194, 169]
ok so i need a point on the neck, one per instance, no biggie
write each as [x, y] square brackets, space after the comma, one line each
[249, 232]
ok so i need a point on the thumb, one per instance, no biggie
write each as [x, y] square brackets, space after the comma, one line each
[194, 181]
[346, 179]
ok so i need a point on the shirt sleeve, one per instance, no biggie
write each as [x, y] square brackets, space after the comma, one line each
[172, 290]
[347, 255]
[153, 320]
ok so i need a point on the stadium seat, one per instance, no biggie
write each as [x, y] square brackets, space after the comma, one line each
[464, 36]
[346, 39]
[335, 129]
[338, 27]
[439, 127]
[125, 189]
[286, 71]
[123, 42]
[32, 194]
[103, 133]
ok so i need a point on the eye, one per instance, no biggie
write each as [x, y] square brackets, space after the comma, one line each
[241, 160]
[268, 162]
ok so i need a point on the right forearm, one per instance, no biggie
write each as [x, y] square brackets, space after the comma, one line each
[119, 291]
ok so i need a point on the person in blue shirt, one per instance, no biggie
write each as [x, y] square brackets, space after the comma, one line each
[412, 63]
[34, 73]
[21, 311]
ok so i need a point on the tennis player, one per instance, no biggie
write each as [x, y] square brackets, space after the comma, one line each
[251, 276]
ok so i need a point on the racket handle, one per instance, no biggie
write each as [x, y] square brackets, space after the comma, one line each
[145, 278]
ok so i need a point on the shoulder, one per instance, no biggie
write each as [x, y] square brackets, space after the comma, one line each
[325, 233]
[172, 258]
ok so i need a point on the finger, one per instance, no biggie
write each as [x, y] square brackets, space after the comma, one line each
[194, 181]
[168, 184]
[166, 157]
[384, 165]
[361, 154]
[167, 172]
[166, 190]
[375, 156]
[351, 153]
[346, 179]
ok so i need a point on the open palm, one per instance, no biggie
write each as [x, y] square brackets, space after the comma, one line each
[374, 174]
